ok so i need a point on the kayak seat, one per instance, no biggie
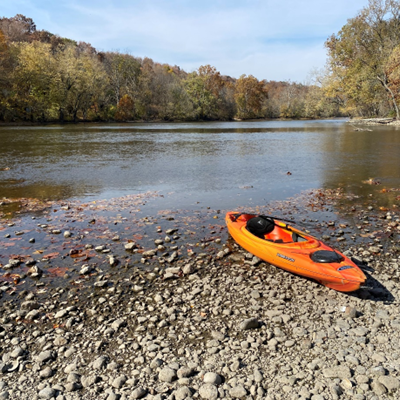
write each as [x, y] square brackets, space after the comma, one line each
[279, 235]
[265, 228]
[260, 226]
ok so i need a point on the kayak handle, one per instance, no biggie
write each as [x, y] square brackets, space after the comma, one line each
[279, 219]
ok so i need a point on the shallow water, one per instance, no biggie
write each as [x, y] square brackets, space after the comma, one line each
[218, 164]
[156, 177]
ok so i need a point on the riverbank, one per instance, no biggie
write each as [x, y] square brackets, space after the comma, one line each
[157, 121]
[375, 121]
[102, 301]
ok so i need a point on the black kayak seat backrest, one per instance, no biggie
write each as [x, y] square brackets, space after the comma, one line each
[260, 226]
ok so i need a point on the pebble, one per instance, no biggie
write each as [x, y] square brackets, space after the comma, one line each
[238, 392]
[208, 391]
[47, 393]
[340, 371]
[167, 374]
[221, 328]
[119, 381]
[45, 356]
[213, 378]
[139, 393]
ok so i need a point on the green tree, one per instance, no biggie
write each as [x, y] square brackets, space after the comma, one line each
[208, 91]
[32, 80]
[79, 82]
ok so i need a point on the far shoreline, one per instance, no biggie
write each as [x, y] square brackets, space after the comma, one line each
[58, 123]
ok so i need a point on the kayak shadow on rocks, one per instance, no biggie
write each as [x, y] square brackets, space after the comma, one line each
[373, 290]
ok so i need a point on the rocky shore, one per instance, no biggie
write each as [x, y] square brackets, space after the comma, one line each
[374, 121]
[165, 315]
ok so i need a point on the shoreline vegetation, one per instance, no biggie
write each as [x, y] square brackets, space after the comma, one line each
[58, 123]
[48, 78]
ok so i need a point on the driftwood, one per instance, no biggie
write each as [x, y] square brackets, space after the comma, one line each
[385, 121]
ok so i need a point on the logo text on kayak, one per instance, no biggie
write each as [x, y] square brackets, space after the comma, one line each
[285, 257]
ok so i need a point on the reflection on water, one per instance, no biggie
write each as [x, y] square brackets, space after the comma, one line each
[207, 162]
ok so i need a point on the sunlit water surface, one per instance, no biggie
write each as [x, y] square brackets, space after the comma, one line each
[217, 164]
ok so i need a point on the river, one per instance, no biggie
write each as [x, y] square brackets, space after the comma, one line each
[217, 164]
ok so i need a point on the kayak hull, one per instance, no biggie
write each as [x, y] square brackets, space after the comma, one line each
[278, 248]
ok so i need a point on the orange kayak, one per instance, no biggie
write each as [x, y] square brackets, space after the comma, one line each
[295, 251]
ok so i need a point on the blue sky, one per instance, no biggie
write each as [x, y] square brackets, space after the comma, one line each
[270, 39]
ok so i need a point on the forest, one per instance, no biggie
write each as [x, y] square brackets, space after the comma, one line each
[48, 78]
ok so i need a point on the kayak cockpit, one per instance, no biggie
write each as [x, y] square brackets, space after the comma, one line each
[284, 235]
[269, 229]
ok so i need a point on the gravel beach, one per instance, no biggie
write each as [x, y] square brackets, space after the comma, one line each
[163, 312]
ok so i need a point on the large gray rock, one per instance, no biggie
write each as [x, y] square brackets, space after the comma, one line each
[341, 371]
[139, 393]
[258, 377]
[390, 382]
[208, 391]
[182, 393]
[45, 356]
[213, 378]
[47, 393]
[378, 388]
[184, 372]
[90, 380]
[17, 352]
[46, 373]
[100, 362]
[4, 395]
[119, 381]
[167, 374]
[238, 392]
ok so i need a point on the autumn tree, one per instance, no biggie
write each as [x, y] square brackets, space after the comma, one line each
[80, 80]
[33, 79]
[125, 109]
[250, 95]
[207, 91]
[123, 72]
[5, 75]
[48, 77]
[360, 52]
[18, 28]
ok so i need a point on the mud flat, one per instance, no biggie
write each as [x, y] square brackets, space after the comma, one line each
[168, 307]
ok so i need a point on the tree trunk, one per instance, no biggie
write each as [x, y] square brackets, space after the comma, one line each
[384, 83]
[61, 114]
